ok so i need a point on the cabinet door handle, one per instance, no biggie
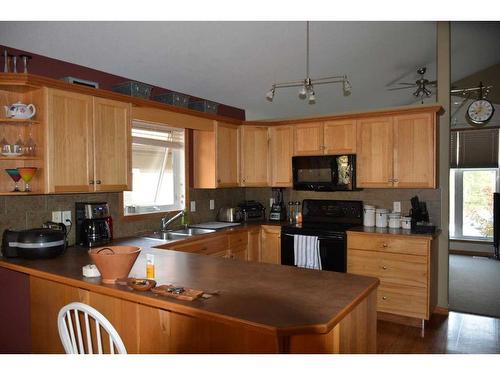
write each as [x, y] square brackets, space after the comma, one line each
[384, 245]
[395, 180]
[218, 180]
[384, 267]
[91, 182]
[384, 298]
[98, 182]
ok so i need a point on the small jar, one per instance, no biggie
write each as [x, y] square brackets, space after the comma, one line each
[298, 213]
[381, 217]
[291, 212]
[368, 215]
[394, 220]
[406, 222]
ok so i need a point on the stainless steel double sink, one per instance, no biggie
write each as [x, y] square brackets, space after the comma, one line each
[175, 235]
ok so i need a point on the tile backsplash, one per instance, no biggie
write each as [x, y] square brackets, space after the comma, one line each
[22, 212]
[382, 198]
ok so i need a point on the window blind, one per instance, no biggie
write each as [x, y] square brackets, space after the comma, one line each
[474, 148]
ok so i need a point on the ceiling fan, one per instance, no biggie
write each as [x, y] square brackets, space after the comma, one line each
[420, 84]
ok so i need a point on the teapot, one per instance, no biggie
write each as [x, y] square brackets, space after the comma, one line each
[20, 111]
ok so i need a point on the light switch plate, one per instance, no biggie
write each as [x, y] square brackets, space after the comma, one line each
[212, 204]
[192, 206]
[57, 216]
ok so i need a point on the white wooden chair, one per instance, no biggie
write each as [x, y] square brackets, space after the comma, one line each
[69, 322]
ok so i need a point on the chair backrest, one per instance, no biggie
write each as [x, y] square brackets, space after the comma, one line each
[78, 334]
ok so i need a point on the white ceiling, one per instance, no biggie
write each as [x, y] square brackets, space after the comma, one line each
[236, 62]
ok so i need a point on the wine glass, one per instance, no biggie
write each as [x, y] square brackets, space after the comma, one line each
[14, 174]
[27, 174]
[30, 146]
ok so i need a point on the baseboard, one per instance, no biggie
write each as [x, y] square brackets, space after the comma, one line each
[470, 253]
[404, 320]
[441, 310]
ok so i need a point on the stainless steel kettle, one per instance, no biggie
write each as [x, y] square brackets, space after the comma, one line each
[229, 214]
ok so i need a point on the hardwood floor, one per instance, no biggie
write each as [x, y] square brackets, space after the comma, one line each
[457, 333]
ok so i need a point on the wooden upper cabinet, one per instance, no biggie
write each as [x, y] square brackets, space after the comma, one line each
[227, 151]
[88, 143]
[69, 142]
[280, 153]
[308, 138]
[254, 156]
[374, 161]
[415, 151]
[112, 145]
[216, 157]
[340, 137]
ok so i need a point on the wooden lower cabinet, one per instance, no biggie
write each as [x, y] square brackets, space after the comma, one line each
[270, 244]
[406, 267]
[257, 244]
[151, 330]
[254, 244]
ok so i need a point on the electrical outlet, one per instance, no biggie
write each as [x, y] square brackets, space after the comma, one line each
[212, 204]
[192, 206]
[66, 218]
[57, 216]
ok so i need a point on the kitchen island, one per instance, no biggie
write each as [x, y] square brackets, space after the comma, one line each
[259, 308]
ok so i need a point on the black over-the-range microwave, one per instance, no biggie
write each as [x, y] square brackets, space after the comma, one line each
[324, 173]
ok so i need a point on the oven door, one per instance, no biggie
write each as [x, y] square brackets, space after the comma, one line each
[332, 250]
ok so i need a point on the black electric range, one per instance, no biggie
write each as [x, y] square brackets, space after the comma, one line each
[328, 220]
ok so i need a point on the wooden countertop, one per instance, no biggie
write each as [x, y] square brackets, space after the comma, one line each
[279, 299]
[394, 232]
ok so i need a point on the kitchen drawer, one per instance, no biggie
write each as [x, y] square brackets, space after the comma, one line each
[205, 246]
[402, 300]
[388, 243]
[238, 239]
[393, 268]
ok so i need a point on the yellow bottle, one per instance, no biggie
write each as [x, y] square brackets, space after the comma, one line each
[150, 266]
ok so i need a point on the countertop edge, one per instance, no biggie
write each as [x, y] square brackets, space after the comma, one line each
[192, 311]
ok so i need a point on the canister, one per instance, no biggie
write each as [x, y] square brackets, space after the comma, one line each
[406, 222]
[381, 217]
[395, 220]
[368, 215]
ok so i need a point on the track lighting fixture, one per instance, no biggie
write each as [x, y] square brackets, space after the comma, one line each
[306, 85]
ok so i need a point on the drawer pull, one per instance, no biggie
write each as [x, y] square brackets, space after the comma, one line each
[384, 245]
[203, 248]
[384, 298]
[384, 267]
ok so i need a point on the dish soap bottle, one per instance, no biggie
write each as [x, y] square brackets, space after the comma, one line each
[185, 218]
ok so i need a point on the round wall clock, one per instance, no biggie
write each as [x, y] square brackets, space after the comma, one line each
[480, 112]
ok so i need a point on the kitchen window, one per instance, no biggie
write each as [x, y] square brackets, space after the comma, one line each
[471, 203]
[474, 178]
[158, 168]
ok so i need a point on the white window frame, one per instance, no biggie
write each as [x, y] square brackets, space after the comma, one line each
[179, 169]
[456, 211]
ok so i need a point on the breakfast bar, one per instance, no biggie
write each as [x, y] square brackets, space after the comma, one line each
[252, 307]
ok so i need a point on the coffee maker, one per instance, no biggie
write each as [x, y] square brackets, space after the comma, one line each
[278, 211]
[94, 226]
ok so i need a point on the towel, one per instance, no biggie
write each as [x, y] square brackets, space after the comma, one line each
[306, 252]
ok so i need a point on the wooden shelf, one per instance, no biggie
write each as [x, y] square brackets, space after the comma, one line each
[18, 121]
[21, 193]
[19, 157]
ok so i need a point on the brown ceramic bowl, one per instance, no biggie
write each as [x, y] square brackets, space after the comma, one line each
[114, 262]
